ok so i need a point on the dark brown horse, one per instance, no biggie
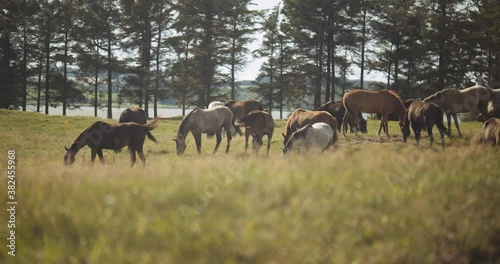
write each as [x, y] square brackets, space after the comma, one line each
[424, 115]
[382, 102]
[337, 110]
[101, 135]
[136, 115]
[257, 124]
[455, 101]
[241, 108]
[300, 117]
[491, 131]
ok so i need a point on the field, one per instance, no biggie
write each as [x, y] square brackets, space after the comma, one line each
[365, 201]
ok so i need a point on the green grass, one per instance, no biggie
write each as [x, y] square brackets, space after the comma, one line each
[365, 201]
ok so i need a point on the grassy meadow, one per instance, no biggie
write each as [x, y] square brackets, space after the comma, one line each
[366, 200]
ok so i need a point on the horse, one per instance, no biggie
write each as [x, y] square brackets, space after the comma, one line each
[424, 115]
[136, 114]
[257, 124]
[101, 135]
[214, 104]
[210, 121]
[382, 102]
[393, 116]
[491, 131]
[337, 110]
[494, 104]
[316, 138]
[301, 117]
[241, 108]
[455, 101]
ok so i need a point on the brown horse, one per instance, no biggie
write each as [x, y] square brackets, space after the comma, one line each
[241, 108]
[424, 115]
[257, 124]
[135, 114]
[209, 121]
[491, 131]
[393, 116]
[455, 101]
[300, 117]
[337, 110]
[101, 135]
[382, 102]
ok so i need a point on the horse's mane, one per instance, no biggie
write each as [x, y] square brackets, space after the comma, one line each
[436, 95]
[393, 93]
[78, 143]
[302, 132]
[185, 120]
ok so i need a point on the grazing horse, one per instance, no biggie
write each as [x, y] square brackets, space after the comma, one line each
[101, 135]
[455, 101]
[337, 110]
[257, 124]
[491, 131]
[135, 114]
[382, 102]
[241, 108]
[210, 121]
[393, 116]
[301, 117]
[316, 138]
[424, 115]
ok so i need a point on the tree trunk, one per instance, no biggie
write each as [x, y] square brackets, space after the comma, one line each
[363, 43]
[65, 73]
[47, 69]
[25, 65]
[110, 79]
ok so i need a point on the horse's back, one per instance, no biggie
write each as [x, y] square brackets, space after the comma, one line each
[320, 135]
[136, 114]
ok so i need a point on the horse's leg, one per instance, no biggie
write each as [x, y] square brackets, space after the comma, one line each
[344, 123]
[101, 157]
[131, 150]
[442, 134]
[93, 153]
[141, 155]
[416, 130]
[197, 139]
[448, 117]
[258, 143]
[268, 144]
[429, 132]
[218, 136]
[456, 124]
[247, 134]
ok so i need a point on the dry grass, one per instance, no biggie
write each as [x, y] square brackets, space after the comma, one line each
[366, 201]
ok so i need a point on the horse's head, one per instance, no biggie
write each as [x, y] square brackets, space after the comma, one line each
[69, 157]
[405, 129]
[180, 145]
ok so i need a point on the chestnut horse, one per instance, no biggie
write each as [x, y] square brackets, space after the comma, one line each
[337, 110]
[101, 135]
[257, 124]
[373, 102]
[491, 131]
[455, 101]
[135, 114]
[393, 116]
[301, 117]
[241, 108]
[424, 115]
[209, 121]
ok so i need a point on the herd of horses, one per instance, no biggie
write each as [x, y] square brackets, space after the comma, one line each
[313, 131]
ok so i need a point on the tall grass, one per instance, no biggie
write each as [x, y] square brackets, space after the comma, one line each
[365, 201]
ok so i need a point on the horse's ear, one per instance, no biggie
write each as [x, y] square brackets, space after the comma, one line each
[283, 135]
[66, 148]
[174, 139]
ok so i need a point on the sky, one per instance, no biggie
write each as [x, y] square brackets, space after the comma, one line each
[251, 70]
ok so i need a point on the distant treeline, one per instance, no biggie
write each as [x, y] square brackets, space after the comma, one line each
[61, 52]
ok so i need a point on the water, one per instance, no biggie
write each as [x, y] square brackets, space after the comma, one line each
[102, 112]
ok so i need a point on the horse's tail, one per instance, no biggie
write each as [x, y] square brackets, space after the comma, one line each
[441, 127]
[237, 128]
[152, 126]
